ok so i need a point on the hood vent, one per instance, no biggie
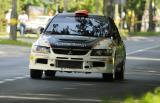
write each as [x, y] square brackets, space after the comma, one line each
[72, 41]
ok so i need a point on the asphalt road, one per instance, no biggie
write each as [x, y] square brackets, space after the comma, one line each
[142, 75]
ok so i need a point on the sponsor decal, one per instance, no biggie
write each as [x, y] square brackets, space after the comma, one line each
[70, 53]
[70, 44]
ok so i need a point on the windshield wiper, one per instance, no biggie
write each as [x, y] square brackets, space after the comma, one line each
[48, 32]
[52, 33]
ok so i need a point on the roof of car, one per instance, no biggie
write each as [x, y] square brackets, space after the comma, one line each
[73, 14]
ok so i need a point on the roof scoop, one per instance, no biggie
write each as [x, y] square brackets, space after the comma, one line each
[81, 13]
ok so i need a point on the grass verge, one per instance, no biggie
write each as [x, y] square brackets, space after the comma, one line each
[13, 42]
[144, 33]
[150, 97]
[29, 36]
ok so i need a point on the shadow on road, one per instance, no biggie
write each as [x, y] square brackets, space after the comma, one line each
[80, 79]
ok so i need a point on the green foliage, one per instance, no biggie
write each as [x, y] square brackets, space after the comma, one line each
[76, 5]
[135, 11]
[33, 2]
[89, 5]
[5, 5]
[123, 33]
[158, 4]
[136, 5]
[73, 5]
[150, 97]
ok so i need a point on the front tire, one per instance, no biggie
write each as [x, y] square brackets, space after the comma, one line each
[36, 74]
[119, 74]
[107, 76]
[50, 73]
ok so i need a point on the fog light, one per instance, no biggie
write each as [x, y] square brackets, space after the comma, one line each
[87, 67]
[52, 65]
[110, 61]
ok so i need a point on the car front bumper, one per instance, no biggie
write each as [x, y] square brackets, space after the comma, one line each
[71, 63]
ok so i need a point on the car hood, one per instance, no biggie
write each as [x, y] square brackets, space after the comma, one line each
[72, 42]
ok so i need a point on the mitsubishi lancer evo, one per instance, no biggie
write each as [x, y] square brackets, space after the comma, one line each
[79, 42]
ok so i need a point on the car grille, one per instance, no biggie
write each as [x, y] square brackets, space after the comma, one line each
[69, 64]
[70, 51]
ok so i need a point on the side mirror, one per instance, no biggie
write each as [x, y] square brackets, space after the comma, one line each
[41, 30]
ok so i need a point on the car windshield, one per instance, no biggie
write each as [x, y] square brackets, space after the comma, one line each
[95, 26]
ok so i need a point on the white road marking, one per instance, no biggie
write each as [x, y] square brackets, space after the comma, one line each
[21, 77]
[70, 88]
[142, 72]
[1, 52]
[9, 80]
[26, 98]
[144, 49]
[49, 95]
[153, 51]
[151, 71]
[137, 38]
[13, 79]
[85, 84]
[147, 71]
[49, 99]
[142, 58]
[1, 82]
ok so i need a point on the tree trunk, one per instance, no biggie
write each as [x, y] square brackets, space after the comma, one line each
[97, 6]
[139, 18]
[151, 23]
[13, 29]
[108, 8]
[65, 5]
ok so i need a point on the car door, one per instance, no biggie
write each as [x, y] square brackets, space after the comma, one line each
[120, 48]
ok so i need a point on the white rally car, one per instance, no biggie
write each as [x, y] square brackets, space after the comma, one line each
[79, 42]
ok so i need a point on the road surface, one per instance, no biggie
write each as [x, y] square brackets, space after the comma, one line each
[142, 75]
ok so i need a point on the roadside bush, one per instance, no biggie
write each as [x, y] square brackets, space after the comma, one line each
[150, 97]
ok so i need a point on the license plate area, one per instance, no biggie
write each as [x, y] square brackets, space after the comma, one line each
[69, 64]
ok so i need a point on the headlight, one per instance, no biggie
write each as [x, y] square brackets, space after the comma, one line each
[41, 49]
[101, 52]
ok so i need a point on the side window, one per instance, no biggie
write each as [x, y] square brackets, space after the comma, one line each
[115, 31]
